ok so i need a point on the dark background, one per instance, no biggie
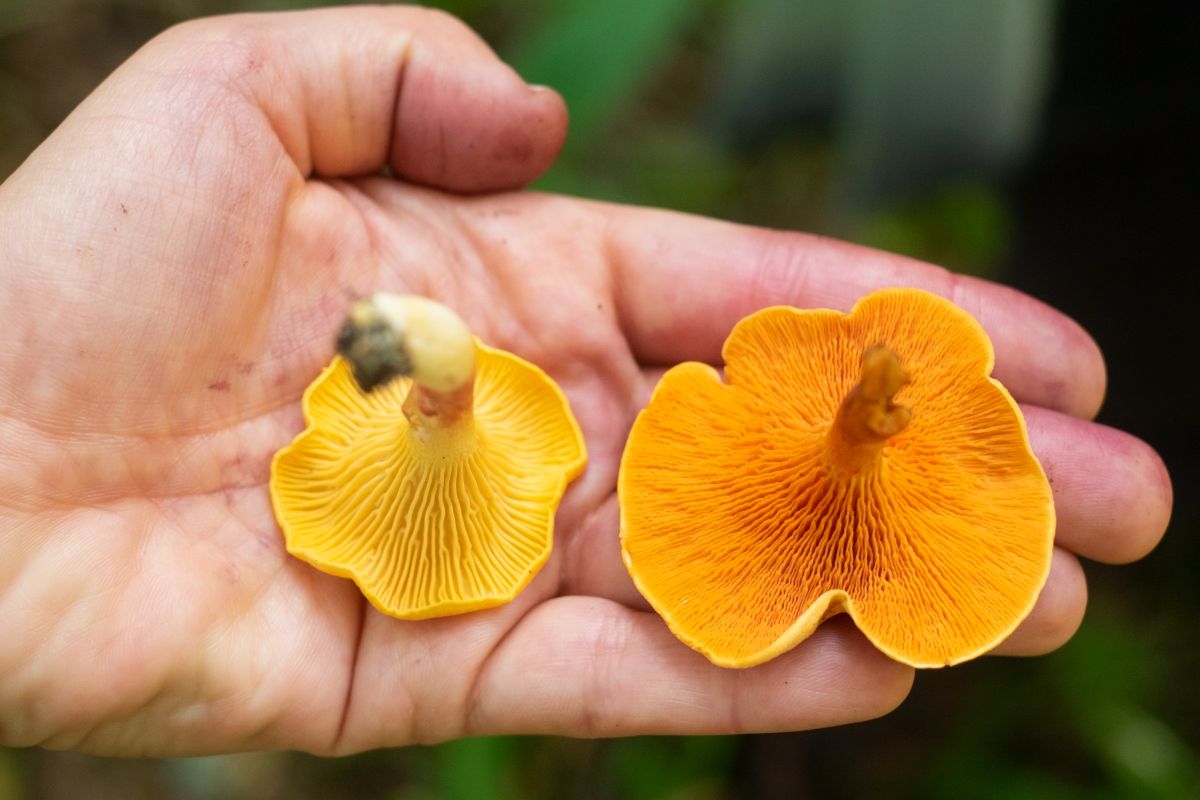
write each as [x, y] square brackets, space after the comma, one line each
[1041, 144]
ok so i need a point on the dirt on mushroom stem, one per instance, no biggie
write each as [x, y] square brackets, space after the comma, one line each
[389, 337]
[429, 410]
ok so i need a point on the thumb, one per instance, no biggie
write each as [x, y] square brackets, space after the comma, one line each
[348, 90]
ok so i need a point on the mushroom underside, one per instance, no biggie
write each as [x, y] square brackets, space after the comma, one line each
[440, 523]
[743, 533]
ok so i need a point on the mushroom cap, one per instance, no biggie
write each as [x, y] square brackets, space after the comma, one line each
[739, 531]
[429, 527]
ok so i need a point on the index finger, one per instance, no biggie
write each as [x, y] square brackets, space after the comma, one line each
[682, 282]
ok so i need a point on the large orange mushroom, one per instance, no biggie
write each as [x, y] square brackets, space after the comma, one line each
[863, 463]
[431, 467]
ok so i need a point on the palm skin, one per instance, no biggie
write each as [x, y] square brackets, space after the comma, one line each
[177, 259]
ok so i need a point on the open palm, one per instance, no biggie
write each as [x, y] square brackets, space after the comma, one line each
[176, 260]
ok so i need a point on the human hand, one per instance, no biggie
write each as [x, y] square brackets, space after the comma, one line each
[176, 260]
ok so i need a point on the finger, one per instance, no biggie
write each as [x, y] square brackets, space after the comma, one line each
[1056, 615]
[349, 90]
[592, 564]
[682, 283]
[588, 667]
[1112, 493]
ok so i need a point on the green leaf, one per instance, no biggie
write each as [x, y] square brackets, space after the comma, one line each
[598, 53]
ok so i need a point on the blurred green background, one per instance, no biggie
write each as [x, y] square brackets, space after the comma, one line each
[1042, 144]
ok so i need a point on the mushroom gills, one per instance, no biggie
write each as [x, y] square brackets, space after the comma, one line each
[862, 461]
[431, 465]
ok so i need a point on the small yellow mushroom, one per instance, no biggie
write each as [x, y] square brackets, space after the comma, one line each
[431, 467]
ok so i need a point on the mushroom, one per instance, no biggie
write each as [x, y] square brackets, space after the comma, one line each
[863, 463]
[431, 467]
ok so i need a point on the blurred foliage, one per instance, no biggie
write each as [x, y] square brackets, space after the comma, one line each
[892, 124]
[597, 54]
[1095, 736]
[964, 225]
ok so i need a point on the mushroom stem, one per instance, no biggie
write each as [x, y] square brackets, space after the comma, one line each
[427, 408]
[387, 336]
[867, 417]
